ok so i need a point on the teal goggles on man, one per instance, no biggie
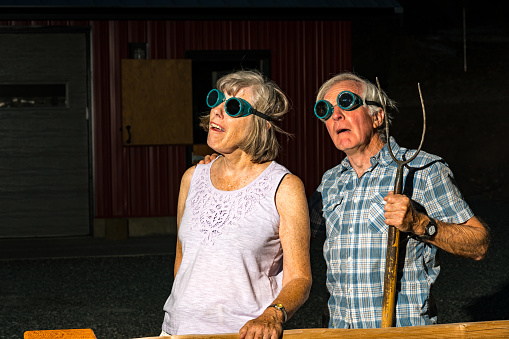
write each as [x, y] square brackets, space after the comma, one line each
[346, 100]
[234, 107]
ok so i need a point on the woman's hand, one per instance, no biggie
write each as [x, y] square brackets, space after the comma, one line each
[269, 325]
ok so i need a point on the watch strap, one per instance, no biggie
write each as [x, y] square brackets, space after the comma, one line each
[282, 309]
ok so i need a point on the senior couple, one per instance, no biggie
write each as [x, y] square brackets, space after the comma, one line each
[242, 257]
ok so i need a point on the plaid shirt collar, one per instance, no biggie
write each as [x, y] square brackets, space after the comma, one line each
[382, 157]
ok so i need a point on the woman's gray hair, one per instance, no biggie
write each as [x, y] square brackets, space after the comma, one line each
[371, 93]
[261, 144]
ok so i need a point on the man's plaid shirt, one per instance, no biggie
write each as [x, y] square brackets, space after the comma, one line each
[350, 212]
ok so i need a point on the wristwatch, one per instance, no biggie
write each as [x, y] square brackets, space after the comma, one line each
[282, 308]
[430, 230]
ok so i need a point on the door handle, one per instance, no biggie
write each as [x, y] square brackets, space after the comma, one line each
[128, 129]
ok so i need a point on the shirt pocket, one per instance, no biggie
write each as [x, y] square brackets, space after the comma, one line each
[331, 210]
[376, 214]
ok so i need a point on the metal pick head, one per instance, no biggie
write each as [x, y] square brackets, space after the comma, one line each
[401, 162]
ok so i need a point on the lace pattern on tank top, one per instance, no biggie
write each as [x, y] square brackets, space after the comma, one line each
[214, 212]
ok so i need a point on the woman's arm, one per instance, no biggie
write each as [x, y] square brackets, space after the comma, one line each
[294, 234]
[184, 189]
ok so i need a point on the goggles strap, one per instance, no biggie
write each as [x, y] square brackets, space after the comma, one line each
[261, 115]
[373, 103]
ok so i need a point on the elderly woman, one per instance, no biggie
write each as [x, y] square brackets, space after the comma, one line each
[242, 257]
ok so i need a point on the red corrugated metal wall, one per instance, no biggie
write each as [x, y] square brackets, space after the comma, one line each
[143, 181]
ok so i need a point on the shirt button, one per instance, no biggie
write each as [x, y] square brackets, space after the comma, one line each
[351, 229]
[349, 258]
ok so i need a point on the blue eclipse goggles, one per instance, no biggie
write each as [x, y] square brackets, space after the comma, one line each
[234, 107]
[346, 100]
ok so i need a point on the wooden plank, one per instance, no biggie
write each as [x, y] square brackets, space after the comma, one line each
[157, 107]
[485, 329]
[85, 333]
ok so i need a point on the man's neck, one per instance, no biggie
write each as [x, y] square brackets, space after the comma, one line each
[360, 159]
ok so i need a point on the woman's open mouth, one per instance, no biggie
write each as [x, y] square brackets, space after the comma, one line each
[216, 127]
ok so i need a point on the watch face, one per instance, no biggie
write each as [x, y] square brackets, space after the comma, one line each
[431, 228]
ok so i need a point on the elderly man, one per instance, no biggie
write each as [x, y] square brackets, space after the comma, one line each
[354, 205]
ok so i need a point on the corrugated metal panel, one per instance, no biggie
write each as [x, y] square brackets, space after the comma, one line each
[144, 180]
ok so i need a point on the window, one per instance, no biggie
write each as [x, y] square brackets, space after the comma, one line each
[33, 96]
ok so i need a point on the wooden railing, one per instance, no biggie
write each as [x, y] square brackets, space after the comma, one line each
[485, 329]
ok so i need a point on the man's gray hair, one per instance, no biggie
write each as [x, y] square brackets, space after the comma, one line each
[371, 93]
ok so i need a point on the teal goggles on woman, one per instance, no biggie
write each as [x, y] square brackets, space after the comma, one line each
[346, 100]
[234, 107]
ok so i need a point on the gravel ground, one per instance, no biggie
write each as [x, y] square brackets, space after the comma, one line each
[121, 296]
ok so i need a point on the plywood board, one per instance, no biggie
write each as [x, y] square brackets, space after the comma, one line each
[85, 333]
[157, 102]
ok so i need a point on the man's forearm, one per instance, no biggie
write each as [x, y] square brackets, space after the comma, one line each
[469, 240]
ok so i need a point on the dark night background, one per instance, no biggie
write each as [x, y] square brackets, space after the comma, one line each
[122, 296]
[466, 110]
